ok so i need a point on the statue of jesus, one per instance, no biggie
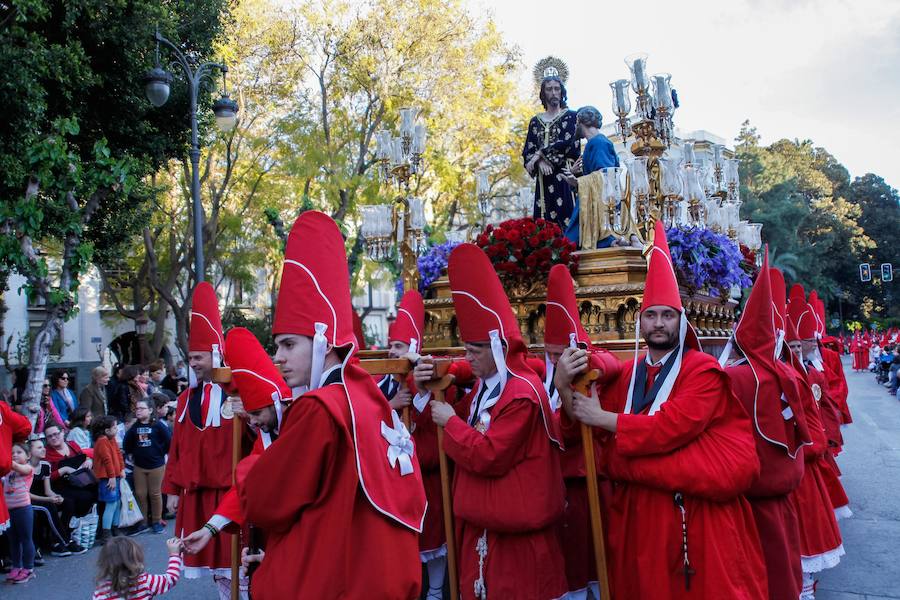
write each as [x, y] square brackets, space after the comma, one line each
[551, 145]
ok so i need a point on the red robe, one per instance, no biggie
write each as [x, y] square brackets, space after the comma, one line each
[508, 487]
[837, 383]
[433, 539]
[769, 496]
[13, 428]
[324, 538]
[699, 443]
[860, 353]
[820, 538]
[829, 416]
[199, 473]
[230, 504]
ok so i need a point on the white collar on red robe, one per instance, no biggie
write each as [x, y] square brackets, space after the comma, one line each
[660, 362]
[488, 402]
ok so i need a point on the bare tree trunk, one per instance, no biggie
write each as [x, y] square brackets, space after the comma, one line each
[39, 358]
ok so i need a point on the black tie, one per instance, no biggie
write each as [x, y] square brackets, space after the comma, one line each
[481, 394]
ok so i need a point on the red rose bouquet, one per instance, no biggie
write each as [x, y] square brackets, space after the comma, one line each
[523, 250]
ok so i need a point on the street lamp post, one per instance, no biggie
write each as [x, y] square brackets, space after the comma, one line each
[156, 83]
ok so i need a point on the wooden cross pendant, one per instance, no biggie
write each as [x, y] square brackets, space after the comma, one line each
[688, 573]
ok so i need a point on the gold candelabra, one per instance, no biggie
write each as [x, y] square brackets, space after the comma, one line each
[401, 223]
[657, 186]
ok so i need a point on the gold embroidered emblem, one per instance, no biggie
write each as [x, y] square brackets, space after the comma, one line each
[817, 391]
[480, 428]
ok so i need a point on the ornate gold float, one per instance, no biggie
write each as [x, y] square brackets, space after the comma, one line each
[609, 286]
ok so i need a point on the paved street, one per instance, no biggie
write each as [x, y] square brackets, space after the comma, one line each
[869, 571]
[871, 466]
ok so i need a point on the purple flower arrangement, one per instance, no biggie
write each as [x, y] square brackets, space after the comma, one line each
[431, 266]
[706, 260]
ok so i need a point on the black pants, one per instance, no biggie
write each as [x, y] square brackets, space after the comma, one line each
[77, 502]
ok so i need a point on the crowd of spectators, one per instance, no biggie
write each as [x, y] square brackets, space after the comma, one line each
[82, 447]
[885, 364]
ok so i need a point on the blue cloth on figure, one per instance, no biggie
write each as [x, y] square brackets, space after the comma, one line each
[599, 153]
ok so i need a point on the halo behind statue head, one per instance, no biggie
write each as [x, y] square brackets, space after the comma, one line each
[550, 67]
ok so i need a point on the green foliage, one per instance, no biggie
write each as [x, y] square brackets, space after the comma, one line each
[819, 225]
[83, 61]
[78, 138]
[261, 328]
[350, 67]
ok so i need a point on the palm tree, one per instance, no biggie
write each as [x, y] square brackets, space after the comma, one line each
[785, 262]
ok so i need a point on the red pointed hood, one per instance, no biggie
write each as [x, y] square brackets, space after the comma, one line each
[206, 324]
[258, 381]
[814, 302]
[479, 300]
[661, 288]
[483, 314]
[410, 321]
[562, 318]
[315, 285]
[801, 314]
[820, 312]
[755, 336]
[790, 334]
[779, 297]
[358, 331]
[755, 332]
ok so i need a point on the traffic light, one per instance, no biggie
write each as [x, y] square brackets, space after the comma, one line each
[887, 272]
[865, 272]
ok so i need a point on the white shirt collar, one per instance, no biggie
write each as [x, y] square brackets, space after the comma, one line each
[660, 362]
[325, 374]
[490, 382]
[487, 401]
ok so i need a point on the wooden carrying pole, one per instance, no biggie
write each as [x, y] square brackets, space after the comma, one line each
[438, 388]
[582, 385]
[223, 375]
[398, 368]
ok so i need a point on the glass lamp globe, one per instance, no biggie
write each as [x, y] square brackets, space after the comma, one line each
[226, 111]
[156, 86]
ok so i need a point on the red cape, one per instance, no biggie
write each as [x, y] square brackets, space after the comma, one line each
[306, 493]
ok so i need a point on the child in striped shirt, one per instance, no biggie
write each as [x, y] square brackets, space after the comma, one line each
[121, 573]
[16, 493]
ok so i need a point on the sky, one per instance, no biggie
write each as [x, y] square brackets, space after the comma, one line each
[825, 70]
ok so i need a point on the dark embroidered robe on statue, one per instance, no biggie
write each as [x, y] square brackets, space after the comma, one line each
[554, 200]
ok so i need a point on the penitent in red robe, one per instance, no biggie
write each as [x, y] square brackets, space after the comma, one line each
[837, 382]
[13, 428]
[508, 488]
[860, 352]
[769, 494]
[829, 417]
[698, 443]
[820, 538]
[324, 537]
[199, 473]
